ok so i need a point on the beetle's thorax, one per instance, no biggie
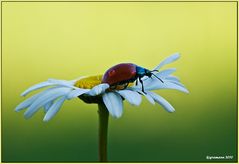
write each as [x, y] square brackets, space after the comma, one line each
[140, 71]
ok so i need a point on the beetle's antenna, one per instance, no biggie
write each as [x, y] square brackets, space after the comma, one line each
[155, 70]
[158, 78]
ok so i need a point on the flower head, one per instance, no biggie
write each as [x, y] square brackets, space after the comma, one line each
[91, 90]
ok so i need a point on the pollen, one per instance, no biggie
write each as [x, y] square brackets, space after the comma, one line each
[89, 82]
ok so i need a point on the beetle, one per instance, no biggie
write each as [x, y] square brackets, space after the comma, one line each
[125, 73]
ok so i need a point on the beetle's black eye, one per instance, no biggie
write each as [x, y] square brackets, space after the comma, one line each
[149, 74]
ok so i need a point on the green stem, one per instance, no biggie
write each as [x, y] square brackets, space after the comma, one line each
[103, 127]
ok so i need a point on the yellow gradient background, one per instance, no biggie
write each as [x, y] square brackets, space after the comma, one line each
[66, 40]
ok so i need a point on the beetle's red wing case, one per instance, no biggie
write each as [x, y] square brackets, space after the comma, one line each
[119, 73]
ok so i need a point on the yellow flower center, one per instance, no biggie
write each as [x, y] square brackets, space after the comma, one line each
[90, 81]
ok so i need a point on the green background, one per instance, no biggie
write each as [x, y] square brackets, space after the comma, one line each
[68, 40]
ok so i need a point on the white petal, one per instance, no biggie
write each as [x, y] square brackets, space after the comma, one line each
[49, 82]
[166, 85]
[148, 97]
[132, 97]
[77, 92]
[114, 103]
[45, 98]
[168, 60]
[77, 79]
[47, 106]
[54, 109]
[52, 80]
[98, 89]
[165, 72]
[162, 101]
[26, 103]
[64, 83]
[37, 86]
[162, 74]
[29, 101]
[177, 83]
[173, 78]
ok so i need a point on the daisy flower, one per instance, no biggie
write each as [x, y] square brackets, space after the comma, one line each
[91, 90]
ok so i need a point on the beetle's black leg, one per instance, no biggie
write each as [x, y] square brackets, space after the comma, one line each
[126, 85]
[136, 81]
[113, 86]
[141, 81]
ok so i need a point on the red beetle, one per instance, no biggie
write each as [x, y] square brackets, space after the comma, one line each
[125, 73]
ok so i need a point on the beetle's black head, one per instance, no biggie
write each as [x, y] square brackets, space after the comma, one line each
[148, 73]
[143, 72]
[155, 75]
